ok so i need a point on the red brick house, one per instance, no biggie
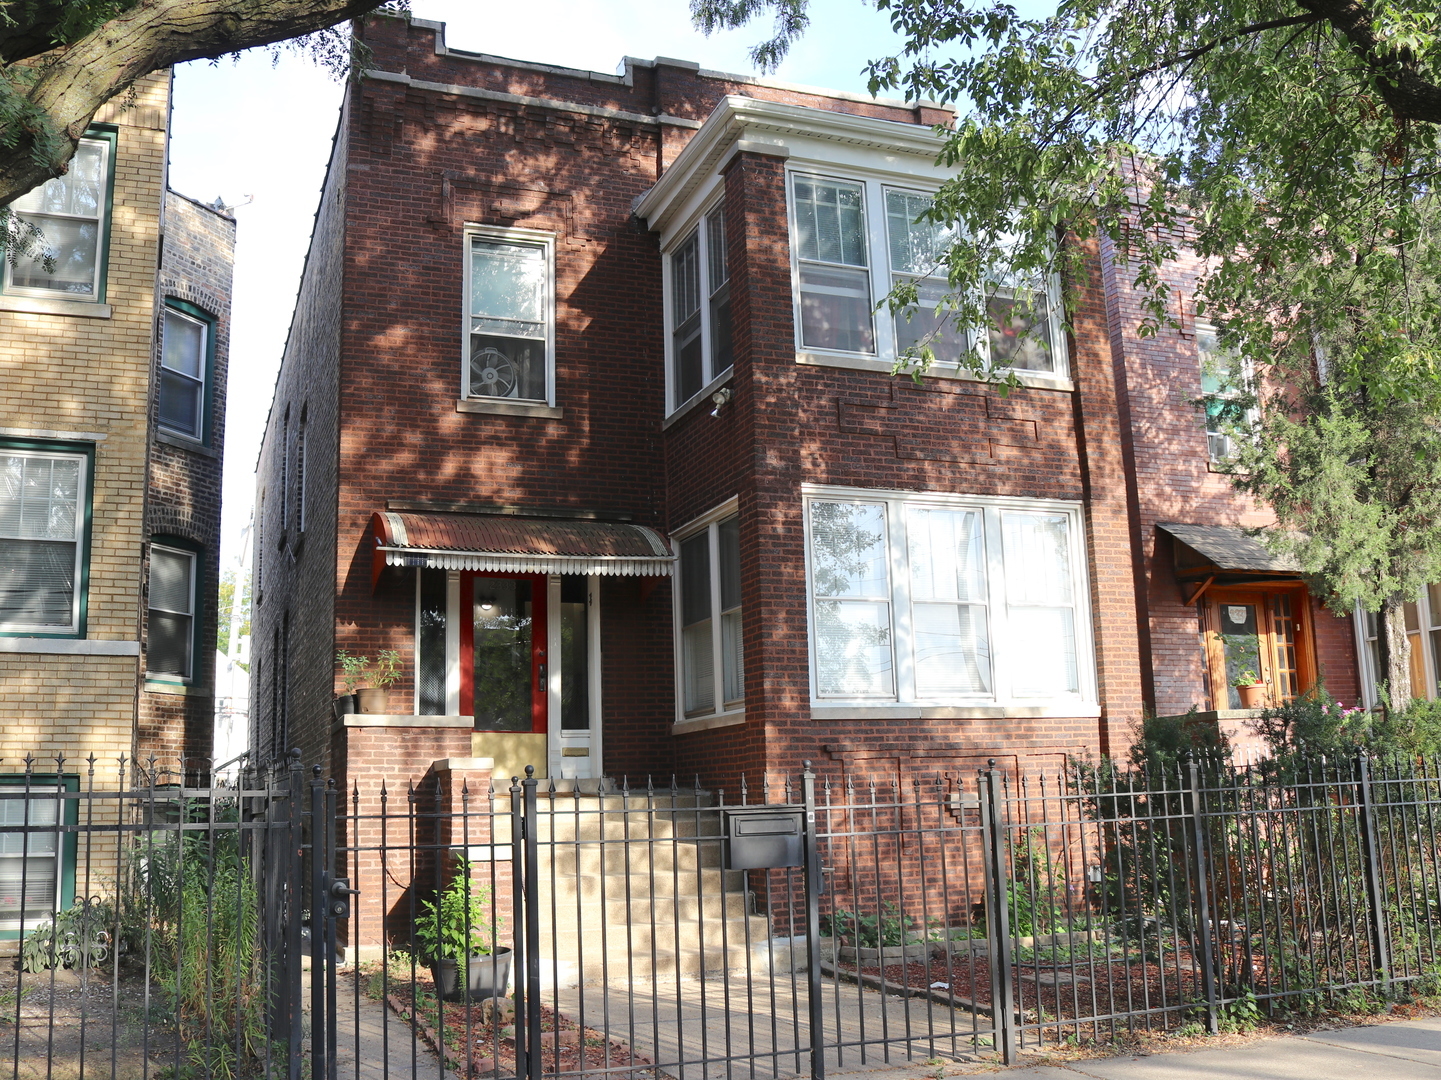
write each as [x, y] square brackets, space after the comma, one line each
[586, 411]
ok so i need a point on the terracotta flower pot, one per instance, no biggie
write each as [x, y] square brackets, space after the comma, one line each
[374, 699]
[1253, 696]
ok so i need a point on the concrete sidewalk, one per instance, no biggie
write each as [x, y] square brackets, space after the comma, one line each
[1405, 1050]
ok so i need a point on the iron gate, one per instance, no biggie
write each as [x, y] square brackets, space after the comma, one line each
[277, 927]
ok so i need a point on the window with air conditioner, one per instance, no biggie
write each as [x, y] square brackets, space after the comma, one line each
[510, 317]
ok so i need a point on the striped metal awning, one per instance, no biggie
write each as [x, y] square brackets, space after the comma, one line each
[502, 543]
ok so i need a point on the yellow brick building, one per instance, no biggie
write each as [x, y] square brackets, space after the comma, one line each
[109, 378]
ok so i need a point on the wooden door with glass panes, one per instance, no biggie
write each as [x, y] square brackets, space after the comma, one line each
[1261, 631]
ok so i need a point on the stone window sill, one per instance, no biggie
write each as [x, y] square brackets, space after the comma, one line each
[34, 305]
[509, 408]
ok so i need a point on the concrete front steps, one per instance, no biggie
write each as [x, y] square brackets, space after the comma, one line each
[631, 890]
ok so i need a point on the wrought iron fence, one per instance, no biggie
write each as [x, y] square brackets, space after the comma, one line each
[446, 923]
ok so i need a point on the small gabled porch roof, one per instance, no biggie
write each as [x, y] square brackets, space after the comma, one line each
[506, 544]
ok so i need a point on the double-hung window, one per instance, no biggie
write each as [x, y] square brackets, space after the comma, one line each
[70, 212]
[170, 650]
[43, 511]
[510, 317]
[36, 862]
[184, 368]
[1221, 398]
[700, 309]
[856, 240]
[945, 600]
[708, 606]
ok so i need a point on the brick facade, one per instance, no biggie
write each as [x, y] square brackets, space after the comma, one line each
[435, 141]
[183, 497]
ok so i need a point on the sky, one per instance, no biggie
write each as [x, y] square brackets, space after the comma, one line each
[256, 132]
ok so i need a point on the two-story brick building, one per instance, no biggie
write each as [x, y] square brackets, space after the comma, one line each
[112, 408]
[587, 412]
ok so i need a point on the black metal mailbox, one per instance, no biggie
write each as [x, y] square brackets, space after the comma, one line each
[764, 838]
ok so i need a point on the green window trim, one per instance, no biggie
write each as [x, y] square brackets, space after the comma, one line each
[207, 392]
[69, 783]
[197, 613]
[83, 582]
[110, 134]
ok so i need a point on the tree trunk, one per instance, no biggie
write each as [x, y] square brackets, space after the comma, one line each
[1395, 649]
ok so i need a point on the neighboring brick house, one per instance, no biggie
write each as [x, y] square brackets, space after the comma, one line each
[587, 413]
[104, 471]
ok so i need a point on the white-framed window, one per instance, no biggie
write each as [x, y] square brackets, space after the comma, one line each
[710, 656]
[70, 212]
[1422, 618]
[42, 534]
[1221, 397]
[183, 360]
[854, 239]
[699, 317]
[170, 649]
[509, 316]
[946, 599]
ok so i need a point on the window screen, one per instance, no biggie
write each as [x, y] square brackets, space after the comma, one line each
[29, 861]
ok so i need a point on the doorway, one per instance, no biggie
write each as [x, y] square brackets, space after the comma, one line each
[1261, 632]
[529, 659]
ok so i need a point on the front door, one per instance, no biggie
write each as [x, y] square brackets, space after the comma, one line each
[1259, 632]
[528, 654]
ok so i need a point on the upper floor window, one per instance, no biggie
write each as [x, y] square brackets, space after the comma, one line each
[185, 361]
[700, 309]
[71, 213]
[1222, 395]
[848, 258]
[170, 650]
[712, 675]
[43, 517]
[945, 599]
[510, 316]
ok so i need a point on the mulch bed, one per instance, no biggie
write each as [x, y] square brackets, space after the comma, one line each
[487, 1046]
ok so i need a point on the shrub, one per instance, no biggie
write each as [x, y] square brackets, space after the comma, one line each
[79, 936]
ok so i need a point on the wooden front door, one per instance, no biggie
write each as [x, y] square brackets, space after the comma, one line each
[1266, 631]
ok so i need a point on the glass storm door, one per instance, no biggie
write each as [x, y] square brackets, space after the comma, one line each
[575, 746]
[503, 653]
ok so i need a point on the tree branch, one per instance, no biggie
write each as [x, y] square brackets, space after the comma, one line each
[1401, 86]
[66, 85]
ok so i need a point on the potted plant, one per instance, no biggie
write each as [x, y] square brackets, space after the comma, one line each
[376, 697]
[352, 671]
[1252, 690]
[455, 927]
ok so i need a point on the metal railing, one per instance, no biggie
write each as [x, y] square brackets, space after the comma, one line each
[287, 926]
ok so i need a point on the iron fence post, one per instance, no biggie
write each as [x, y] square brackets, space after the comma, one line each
[813, 926]
[517, 921]
[327, 919]
[532, 929]
[291, 894]
[319, 1041]
[1203, 896]
[998, 929]
[1375, 886]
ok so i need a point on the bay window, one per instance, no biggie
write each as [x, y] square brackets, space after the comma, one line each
[847, 259]
[700, 309]
[708, 602]
[43, 518]
[940, 599]
[510, 315]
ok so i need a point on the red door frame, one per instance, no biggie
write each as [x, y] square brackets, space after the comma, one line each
[539, 640]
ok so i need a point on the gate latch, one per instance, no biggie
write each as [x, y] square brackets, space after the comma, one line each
[340, 894]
